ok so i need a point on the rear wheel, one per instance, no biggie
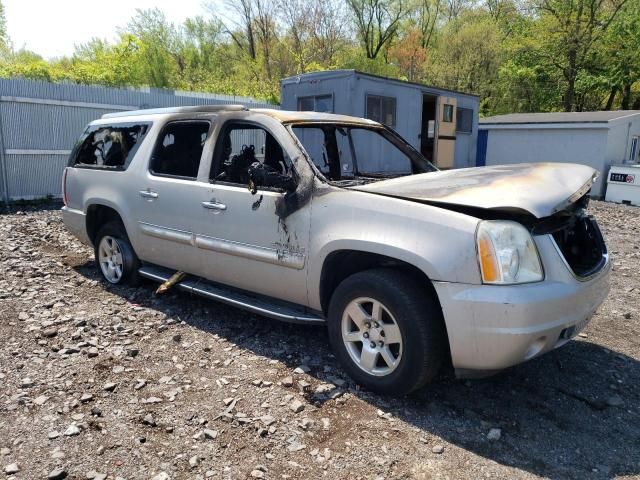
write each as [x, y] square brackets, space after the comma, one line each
[115, 257]
[387, 331]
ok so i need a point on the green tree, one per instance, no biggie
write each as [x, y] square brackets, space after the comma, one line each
[377, 22]
[570, 31]
[621, 53]
[4, 36]
[468, 56]
[98, 62]
[518, 55]
[160, 47]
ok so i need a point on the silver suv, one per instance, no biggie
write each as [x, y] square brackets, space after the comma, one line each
[320, 218]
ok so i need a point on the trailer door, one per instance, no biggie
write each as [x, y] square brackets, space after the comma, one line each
[446, 144]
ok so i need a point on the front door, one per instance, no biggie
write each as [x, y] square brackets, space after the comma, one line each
[446, 143]
[164, 196]
[240, 240]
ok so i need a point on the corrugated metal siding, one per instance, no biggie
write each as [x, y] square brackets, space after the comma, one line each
[39, 116]
[46, 127]
[35, 176]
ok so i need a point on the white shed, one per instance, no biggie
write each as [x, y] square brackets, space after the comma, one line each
[597, 139]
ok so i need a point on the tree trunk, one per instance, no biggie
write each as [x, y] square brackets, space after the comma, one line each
[570, 75]
[251, 42]
[569, 95]
[626, 96]
[612, 97]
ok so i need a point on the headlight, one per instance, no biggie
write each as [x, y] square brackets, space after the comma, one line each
[506, 253]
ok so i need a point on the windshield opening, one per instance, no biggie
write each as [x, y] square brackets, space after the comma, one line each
[351, 154]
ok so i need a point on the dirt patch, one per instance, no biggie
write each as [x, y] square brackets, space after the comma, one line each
[116, 381]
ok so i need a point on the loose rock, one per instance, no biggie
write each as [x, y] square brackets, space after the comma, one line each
[149, 420]
[437, 449]
[109, 387]
[72, 430]
[296, 406]
[26, 383]
[57, 474]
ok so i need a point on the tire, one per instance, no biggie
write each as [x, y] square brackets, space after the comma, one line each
[112, 238]
[415, 346]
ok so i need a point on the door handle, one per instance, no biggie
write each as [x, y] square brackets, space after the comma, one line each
[148, 194]
[213, 205]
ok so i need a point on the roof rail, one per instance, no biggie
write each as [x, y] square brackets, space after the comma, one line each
[190, 109]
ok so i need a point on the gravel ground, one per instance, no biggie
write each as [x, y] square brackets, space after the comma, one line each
[100, 382]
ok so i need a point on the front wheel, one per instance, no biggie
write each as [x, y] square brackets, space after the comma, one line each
[115, 256]
[387, 331]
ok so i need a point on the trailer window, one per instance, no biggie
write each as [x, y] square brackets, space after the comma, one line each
[318, 103]
[447, 113]
[464, 120]
[108, 146]
[381, 109]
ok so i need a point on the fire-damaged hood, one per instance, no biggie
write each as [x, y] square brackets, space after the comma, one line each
[539, 189]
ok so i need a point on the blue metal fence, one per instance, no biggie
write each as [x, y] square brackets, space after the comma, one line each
[40, 121]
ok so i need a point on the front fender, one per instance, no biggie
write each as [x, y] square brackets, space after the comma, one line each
[439, 242]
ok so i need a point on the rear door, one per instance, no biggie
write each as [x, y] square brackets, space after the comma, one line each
[166, 194]
[446, 141]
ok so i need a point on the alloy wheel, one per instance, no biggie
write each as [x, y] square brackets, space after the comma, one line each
[110, 258]
[371, 336]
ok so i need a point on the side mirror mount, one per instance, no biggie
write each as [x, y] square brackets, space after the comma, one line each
[261, 175]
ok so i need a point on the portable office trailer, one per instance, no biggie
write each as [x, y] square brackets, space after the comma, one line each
[597, 139]
[442, 124]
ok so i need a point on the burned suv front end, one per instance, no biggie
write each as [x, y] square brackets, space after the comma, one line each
[524, 308]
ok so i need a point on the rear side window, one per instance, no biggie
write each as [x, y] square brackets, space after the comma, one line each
[108, 146]
[179, 149]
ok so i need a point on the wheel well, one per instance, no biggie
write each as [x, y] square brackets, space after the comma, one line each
[344, 263]
[98, 215]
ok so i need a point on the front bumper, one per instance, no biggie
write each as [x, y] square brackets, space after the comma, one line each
[493, 327]
[75, 221]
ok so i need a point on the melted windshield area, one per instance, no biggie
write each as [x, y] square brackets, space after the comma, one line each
[354, 155]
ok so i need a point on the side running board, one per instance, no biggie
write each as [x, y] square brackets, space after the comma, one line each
[255, 303]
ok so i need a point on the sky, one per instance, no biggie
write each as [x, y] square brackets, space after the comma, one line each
[51, 28]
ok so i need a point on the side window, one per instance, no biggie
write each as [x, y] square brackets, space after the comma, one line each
[109, 146]
[179, 149]
[239, 146]
[381, 109]
[464, 120]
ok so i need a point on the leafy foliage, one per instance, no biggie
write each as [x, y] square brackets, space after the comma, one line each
[518, 55]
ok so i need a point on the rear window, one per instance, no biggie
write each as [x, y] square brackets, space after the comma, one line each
[108, 146]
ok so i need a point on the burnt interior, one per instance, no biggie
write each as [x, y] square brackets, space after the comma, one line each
[582, 245]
